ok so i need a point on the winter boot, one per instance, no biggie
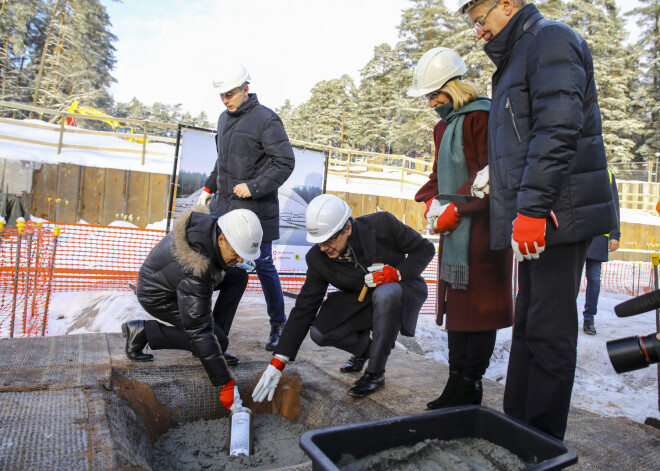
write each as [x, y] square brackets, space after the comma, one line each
[589, 327]
[274, 337]
[468, 391]
[136, 340]
[447, 393]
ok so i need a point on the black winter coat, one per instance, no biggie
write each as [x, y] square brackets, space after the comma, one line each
[545, 137]
[176, 284]
[253, 148]
[377, 235]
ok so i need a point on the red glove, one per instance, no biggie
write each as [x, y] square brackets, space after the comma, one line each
[387, 274]
[528, 238]
[448, 220]
[229, 395]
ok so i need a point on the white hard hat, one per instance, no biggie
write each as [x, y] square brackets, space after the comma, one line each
[230, 76]
[434, 69]
[466, 5]
[242, 229]
[326, 214]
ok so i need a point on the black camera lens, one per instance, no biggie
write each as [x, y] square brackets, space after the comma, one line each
[633, 353]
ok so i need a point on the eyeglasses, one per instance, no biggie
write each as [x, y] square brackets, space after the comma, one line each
[332, 239]
[479, 24]
[433, 95]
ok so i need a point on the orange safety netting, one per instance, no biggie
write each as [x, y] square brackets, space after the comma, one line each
[25, 268]
[82, 257]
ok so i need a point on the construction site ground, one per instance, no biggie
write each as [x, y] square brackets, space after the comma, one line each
[76, 402]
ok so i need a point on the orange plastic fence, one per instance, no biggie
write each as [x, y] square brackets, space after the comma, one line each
[39, 261]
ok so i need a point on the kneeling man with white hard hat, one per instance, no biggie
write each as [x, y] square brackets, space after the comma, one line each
[176, 284]
[374, 251]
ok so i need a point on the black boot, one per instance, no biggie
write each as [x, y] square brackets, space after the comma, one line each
[274, 337]
[354, 364]
[231, 359]
[136, 340]
[468, 391]
[589, 327]
[367, 384]
[447, 393]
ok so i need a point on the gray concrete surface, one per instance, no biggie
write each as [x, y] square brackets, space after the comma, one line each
[77, 403]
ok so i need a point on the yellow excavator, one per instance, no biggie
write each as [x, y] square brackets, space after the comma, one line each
[116, 126]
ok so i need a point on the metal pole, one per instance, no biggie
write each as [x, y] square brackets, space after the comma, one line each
[20, 225]
[36, 267]
[27, 280]
[56, 232]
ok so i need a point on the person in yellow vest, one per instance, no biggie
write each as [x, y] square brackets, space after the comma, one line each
[597, 254]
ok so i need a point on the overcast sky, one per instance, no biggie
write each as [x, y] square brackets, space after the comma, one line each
[168, 49]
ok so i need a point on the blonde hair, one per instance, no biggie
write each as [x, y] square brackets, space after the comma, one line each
[461, 92]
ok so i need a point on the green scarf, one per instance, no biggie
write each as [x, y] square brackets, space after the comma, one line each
[452, 174]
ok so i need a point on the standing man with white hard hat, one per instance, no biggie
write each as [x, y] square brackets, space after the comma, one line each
[254, 159]
[176, 284]
[549, 193]
[373, 251]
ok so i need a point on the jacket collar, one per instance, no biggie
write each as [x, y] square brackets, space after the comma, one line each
[190, 259]
[501, 45]
[247, 105]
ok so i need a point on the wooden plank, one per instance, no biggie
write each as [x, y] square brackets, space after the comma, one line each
[137, 197]
[114, 201]
[44, 186]
[68, 180]
[159, 188]
[91, 195]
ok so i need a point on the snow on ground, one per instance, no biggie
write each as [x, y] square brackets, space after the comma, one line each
[597, 387]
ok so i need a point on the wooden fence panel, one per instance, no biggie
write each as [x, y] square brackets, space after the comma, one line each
[44, 186]
[68, 184]
[137, 197]
[90, 208]
[114, 195]
[159, 187]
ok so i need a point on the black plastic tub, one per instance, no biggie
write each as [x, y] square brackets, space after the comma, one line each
[326, 446]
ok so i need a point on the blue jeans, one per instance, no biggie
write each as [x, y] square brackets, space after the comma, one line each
[270, 284]
[592, 270]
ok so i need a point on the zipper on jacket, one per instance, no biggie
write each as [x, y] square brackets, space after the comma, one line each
[513, 118]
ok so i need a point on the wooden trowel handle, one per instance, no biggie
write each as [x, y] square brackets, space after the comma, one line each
[363, 293]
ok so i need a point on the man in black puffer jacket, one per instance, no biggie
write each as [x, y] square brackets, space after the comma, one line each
[549, 193]
[176, 284]
[254, 159]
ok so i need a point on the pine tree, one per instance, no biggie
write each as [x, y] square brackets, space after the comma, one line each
[382, 81]
[599, 22]
[648, 20]
[17, 26]
[76, 55]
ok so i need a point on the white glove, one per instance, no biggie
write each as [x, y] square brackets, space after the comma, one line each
[369, 277]
[269, 379]
[204, 197]
[480, 186]
[432, 223]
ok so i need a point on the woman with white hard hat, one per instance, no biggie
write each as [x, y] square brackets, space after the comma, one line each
[474, 283]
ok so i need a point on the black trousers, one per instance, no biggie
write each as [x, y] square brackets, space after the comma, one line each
[544, 343]
[381, 326]
[232, 287]
[470, 352]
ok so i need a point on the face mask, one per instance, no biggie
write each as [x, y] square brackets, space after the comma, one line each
[444, 110]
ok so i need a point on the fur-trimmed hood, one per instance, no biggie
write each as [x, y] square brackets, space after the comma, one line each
[193, 254]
